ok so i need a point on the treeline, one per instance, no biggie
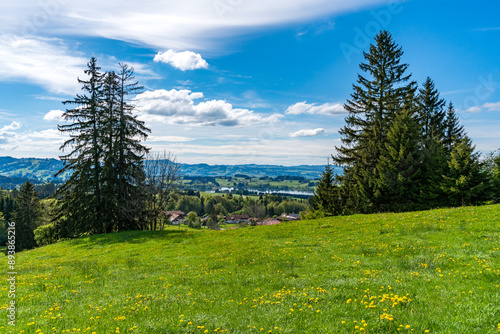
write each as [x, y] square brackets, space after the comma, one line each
[403, 147]
[263, 207]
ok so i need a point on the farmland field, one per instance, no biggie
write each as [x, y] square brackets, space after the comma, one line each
[422, 272]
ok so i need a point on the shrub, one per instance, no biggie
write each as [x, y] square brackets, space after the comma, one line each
[45, 235]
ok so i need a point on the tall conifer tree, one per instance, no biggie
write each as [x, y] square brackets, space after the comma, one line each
[431, 111]
[81, 194]
[453, 132]
[372, 108]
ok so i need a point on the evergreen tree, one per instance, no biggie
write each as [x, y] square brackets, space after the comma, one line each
[466, 182]
[105, 192]
[26, 216]
[431, 116]
[81, 194]
[431, 112]
[398, 188]
[326, 195]
[372, 108]
[131, 153]
[453, 132]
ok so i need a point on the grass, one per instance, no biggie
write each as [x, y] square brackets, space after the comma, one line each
[435, 271]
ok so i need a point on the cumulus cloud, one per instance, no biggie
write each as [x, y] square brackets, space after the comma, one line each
[179, 107]
[184, 61]
[53, 115]
[332, 109]
[11, 126]
[308, 133]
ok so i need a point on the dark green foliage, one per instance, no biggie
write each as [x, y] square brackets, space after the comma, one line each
[398, 188]
[326, 195]
[372, 108]
[466, 182]
[6, 204]
[26, 216]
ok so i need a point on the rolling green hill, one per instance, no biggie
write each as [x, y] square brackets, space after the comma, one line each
[422, 272]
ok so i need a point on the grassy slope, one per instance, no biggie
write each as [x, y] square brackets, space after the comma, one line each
[388, 273]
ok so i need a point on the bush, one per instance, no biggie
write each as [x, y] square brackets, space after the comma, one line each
[45, 235]
[312, 214]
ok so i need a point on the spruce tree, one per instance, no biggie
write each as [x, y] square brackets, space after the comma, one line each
[81, 194]
[398, 188]
[453, 132]
[130, 152]
[431, 111]
[372, 108]
[326, 195]
[466, 182]
[26, 216]
[431, 117]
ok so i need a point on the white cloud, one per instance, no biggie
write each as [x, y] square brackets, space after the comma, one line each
[54, 115]
[178, 107]
[308, 133]
[332, 109]
[184, 61]
[179, 25]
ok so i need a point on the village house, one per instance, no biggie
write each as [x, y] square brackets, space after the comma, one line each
[175, 217]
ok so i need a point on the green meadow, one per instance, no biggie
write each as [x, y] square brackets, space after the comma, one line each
[421, 272]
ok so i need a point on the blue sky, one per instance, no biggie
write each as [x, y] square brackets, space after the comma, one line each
[240, 81]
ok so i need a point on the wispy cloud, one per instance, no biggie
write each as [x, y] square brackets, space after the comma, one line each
[43, 61]
[178, 25]
[495, 106]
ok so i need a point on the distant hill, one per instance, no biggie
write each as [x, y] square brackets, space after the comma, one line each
[307, 171]
[31, 168]
[15, 182]
[45, 169]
